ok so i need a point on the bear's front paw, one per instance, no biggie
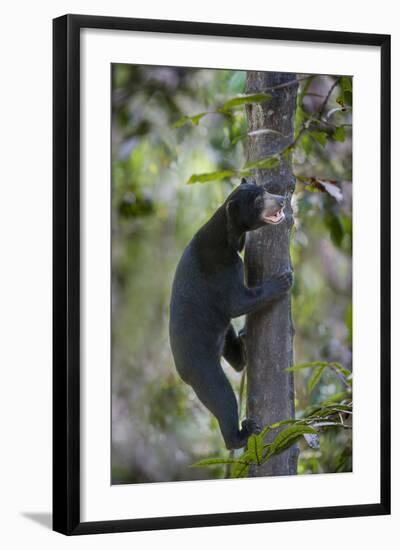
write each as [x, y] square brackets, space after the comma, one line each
[280, 283]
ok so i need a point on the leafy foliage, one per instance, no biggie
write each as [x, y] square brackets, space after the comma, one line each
[313, 130]
[309, 426]
[225, 109]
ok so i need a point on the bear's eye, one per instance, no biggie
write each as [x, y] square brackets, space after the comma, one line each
[259, 201]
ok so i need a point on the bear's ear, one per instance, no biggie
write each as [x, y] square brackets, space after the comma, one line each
[248, 180]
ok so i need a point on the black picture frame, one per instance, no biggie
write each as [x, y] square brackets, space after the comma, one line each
[66, 273]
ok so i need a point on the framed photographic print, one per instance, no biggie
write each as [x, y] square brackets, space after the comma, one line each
[221, 274]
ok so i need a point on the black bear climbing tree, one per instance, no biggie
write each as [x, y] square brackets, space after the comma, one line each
[270, 331]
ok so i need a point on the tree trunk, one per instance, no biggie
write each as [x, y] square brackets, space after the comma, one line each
[270, 332]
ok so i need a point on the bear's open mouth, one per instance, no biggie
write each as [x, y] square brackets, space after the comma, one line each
[275, 218]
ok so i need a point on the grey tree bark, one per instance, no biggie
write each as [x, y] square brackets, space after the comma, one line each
[270, 332]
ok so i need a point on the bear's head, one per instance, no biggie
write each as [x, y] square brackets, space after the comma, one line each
[251, 206]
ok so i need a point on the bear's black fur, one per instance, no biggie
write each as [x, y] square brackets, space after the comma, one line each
[208, 291]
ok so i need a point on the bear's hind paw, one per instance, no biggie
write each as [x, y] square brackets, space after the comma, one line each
[250, 426]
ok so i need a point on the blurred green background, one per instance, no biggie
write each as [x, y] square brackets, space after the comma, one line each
[159, 427]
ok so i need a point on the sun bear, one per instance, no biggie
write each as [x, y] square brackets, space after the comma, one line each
[209, 290]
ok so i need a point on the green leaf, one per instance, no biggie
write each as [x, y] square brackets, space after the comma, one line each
[320, 137]
[243, 173]
[345, 100]
[349, 321]
[264, 432]
[319, 366]
[195, 119]
[242, 100]
[181, 122]
[255, 448]
[300, 116]
[242, 465]
[329, 410]
[340, 101]
[210, 176]
[240, 470]
[315, 377]
[263, 164]
[306, 144]
[339, 368]
[336, 407]
[339, 134]
[334, 224]
[214, 462]
[236, 139]
[311, 364]
[346, 97]
[237, 82]
[346, 84]
[286, 438]
[283, 423]
[336, 398]
[326, 423]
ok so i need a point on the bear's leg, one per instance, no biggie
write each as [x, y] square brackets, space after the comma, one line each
[234, 351]
[215, 392]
